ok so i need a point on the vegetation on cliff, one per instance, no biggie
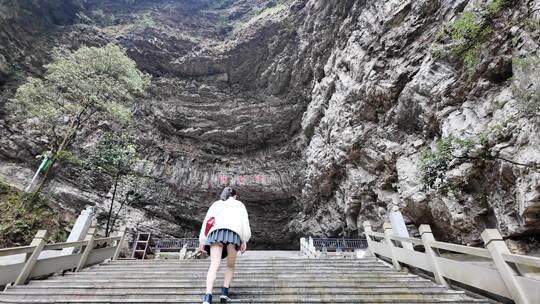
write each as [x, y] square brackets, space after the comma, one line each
[20, 219]
[115, 155]
[89, 85]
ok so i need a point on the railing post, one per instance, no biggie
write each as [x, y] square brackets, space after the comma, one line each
[122, 234]
[313, 249]
[427, 238]
[310, 247]
[89, 246]
[367, 232]
[302, 242]
[387, 233]
[399, 228]
[183, 251]
[39, 243]
[79, 229]
[496, 247]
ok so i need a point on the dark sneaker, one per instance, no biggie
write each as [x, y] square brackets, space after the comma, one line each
[207, 299]
[224, 295]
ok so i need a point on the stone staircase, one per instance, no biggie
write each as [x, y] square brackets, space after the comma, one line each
[270, 279]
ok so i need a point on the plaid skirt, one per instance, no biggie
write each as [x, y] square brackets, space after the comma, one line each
[224, 236]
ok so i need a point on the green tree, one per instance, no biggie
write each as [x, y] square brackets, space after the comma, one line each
[114, 155]
[129, 198]
[90, 84]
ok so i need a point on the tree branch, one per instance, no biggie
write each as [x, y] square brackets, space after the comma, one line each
[492, 158]
[87, 118]
[527, 18]
[56, 140]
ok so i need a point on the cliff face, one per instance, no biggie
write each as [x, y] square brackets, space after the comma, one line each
[322, 114]
[221, 110]
[400, 78]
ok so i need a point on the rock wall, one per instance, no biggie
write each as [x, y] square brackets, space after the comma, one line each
[388, 96]
[323, 114]
[220, 110]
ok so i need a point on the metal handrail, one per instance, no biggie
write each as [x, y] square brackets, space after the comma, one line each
[339, 243]
[176, 244]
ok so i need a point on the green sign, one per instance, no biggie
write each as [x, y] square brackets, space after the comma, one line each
[45, 164]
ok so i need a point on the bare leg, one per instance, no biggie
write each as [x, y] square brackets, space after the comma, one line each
[231, 264]
[215, 260]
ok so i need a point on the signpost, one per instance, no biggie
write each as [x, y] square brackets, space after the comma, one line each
[45, 164]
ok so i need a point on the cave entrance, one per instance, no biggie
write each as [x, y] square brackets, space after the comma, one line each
[269, 220]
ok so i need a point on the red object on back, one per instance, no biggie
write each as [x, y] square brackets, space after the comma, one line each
[209, 224]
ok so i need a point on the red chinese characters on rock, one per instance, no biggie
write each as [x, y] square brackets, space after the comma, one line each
[224, 180]
[241, 179]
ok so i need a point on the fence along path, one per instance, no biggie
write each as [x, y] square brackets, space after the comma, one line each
[508, 277]
[44, 259]
[314, 248]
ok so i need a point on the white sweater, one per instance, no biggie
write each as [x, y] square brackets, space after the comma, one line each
[230, 214]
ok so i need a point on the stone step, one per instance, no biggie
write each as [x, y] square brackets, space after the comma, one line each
[251, 261]
[238, 292]
[242, 268]
[195, 290]
[283, 300]
[238, 274]
[273, 280]
[237, 284]
[203, 265]
[252, 298]
[253, 276]
[238, 267]
[192, 277]
[237, 281]
[244, 258]
[254, 265]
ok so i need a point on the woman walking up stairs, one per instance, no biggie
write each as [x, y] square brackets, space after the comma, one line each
[224, 232]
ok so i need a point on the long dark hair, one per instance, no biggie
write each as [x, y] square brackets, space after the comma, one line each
[226, 193]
